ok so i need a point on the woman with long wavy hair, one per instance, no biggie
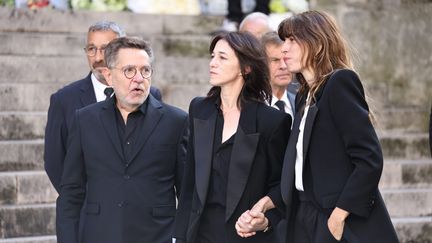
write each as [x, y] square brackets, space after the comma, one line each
[333, 162]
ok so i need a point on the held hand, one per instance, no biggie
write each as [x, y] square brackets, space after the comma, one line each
[250, 222]
[336, 222]
[263, 205]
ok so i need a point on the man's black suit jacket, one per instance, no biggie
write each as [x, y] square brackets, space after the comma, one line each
[63, 105]
[126, 200]
[255, 165]
[342, 161]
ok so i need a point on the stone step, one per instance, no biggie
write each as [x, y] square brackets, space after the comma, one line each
[26, 96]
[408, 202]
[34, 70]
[26, 187]
[22, 125]
[403, 174]
[42, 44]
[37, 239]
[53, 21]
[21, 155]
[71, 45]
[403, 119]
[414, 230]
[27, 220]
[404, 145]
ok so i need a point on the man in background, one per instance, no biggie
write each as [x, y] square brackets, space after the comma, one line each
[93, 88]
[256, 23]
[280, 78]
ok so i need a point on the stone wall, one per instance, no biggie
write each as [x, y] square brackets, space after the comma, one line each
[393, 42]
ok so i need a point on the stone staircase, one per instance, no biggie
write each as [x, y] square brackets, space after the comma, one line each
[42, 51]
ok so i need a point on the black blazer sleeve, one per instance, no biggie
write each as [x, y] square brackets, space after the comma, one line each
[55, 141]
[185, 202]
[275, 151]
[181, 157]
[350, 114]
[72, 188]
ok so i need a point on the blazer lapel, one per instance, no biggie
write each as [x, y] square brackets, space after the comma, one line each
[313, 110]
[242, 156]
[288, 174]
[203, 144]
[151, 119]
[108, 119]
[87, 96]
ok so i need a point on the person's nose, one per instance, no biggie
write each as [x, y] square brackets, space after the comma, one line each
[282, 64]
[212, 63]
[99, 55]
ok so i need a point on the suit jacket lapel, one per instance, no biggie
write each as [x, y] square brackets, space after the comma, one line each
[108, 119]
[313, 110]
[88, 95]
[288, 174]
[242, 156]
[203, 144]
[151, 119]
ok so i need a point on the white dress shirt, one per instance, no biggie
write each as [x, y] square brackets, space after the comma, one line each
[288, 108]
[99, 88]
[299, 148]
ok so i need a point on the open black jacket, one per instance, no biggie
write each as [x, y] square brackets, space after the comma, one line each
[255, 166]
[342, 161]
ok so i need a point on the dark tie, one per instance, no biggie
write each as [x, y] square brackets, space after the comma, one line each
[281, 105]
[108, 92]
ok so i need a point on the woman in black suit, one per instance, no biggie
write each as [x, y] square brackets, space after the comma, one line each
[333, 162]
[236, 145]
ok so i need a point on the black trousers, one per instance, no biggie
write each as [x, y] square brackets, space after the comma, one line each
[235, 12]
[311, 224]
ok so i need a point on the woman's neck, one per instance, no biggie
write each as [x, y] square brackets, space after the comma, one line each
[229, 94]
[309, 76]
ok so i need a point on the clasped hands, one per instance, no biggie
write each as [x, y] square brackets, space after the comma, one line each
[254, 220]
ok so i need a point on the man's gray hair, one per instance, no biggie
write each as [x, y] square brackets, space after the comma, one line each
[107, 26]
[113, 48]
[254, 16]
[271, 38]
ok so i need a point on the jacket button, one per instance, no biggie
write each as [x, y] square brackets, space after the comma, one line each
[127, 177]
[120, 204]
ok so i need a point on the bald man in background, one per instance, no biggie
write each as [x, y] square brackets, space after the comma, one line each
[256, 23]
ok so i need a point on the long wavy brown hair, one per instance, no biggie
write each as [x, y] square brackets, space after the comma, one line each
[321, 40]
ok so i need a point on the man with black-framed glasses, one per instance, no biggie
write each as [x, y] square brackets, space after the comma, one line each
[93, 88]
[125, 158]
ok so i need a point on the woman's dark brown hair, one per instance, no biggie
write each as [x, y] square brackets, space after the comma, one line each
[253, 66]
[321, 40]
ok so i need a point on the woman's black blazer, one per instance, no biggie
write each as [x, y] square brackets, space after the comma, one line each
[342, 161]
[255, 166]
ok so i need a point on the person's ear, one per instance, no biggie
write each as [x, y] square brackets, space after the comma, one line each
[107, 75]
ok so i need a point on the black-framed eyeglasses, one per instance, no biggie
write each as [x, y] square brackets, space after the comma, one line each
[91, 50]
[130, 71]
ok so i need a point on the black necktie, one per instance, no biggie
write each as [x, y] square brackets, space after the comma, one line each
[108, 92]
[281, 105]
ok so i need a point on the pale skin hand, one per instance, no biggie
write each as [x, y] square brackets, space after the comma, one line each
[254, 220]
[336, 222]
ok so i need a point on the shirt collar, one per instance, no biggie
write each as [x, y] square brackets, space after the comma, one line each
[284, 98]
[98, 87]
